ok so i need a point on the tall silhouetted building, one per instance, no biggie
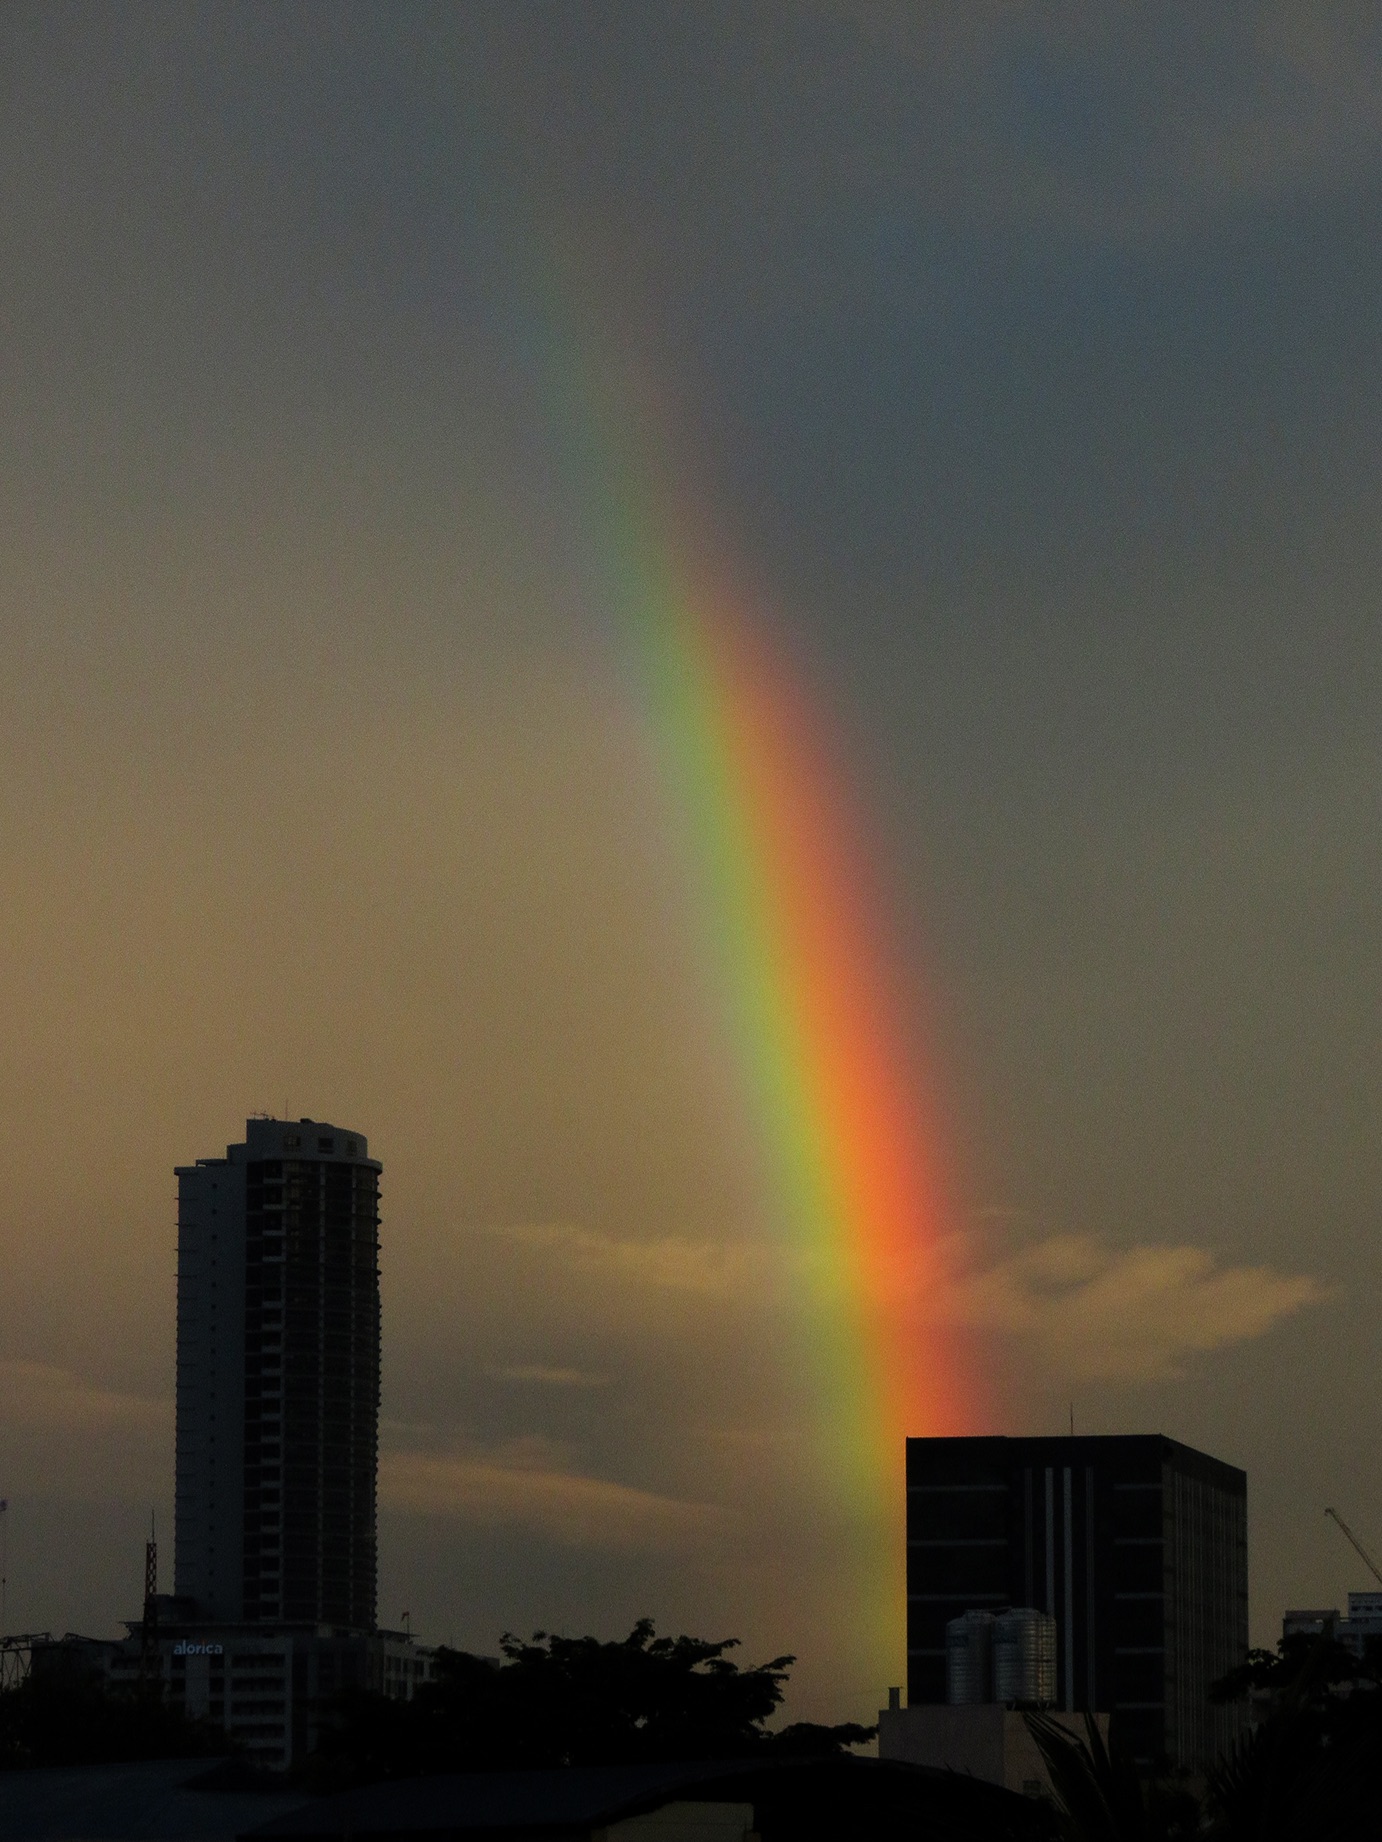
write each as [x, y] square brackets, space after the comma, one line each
[272, 1616]
[278, 1378]
[1136, 1546]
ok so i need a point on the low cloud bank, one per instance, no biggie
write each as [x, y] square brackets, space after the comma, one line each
[41, 1397]
[544, 1375]
[670, 1263]
[1099, 1313]
[522, 1489]
[1086, 1309]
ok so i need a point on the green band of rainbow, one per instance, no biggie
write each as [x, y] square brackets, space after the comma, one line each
[792, 934]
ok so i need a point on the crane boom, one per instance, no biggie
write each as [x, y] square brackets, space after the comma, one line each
[1367, 1559]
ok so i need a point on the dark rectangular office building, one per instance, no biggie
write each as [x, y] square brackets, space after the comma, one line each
[1137, 1546]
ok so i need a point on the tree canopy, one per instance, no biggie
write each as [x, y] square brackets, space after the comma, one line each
[553, 1700]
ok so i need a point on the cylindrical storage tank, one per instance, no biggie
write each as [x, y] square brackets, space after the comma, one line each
[968, 1652]
[1024, 1656]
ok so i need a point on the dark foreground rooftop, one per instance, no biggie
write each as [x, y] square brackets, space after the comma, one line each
[573, 1800]
[151, 1801]
[792, 1799]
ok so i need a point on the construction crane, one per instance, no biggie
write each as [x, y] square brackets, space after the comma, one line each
[1363, 1554]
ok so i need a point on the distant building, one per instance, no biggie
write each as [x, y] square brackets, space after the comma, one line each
[1358, 1632]
[278, 1378]
[1362, 1629]
[1136, 1547]
[267, 1686]
[1315, 1622]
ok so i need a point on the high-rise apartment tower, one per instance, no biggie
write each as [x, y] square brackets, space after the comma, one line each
[278, 1378]
[1136, 1547]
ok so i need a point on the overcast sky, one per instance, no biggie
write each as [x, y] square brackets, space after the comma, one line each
[1026, 362]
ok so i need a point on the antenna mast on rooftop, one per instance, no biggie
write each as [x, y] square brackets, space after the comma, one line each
[149, 1631]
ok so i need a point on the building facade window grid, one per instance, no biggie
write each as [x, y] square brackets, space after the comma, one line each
[1136, 1546]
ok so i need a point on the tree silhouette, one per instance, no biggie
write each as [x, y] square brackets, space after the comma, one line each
[1100, 1794]
[1311, 1767]
[556, 1701]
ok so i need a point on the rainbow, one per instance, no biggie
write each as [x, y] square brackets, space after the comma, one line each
[792, 925]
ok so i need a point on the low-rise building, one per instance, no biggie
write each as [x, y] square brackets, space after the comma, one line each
[1361, 1628]
[990, 1742]
[269, 1686]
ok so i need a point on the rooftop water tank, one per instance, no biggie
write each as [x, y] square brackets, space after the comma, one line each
[968, 1659]
[1024, 1656]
